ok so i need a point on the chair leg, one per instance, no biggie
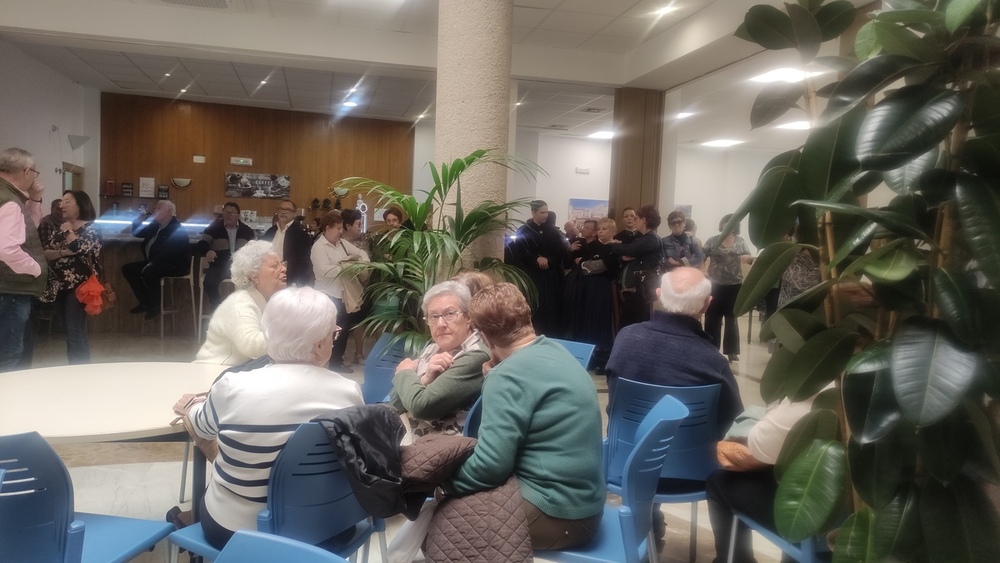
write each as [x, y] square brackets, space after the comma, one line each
[184, 469]
[383, 547]
[163, 291]
[197, 320]
[693, 549]
[173, 552]
[651, 550]
[732, 539]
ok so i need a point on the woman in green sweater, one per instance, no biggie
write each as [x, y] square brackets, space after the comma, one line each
[437, 388]
[541, 422]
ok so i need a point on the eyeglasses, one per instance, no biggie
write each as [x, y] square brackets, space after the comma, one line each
[678, 222]
[37, 173]
[448, 317]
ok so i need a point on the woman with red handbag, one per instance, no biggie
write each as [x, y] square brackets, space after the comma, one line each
[74, 255]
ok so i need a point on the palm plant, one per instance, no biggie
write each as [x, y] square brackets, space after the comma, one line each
[434, 249]
[904, 441]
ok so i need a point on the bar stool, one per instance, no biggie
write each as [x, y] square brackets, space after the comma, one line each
[173, 308]
[202, 317]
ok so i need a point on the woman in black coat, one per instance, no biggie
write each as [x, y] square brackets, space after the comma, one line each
[539, 251]
[640, 268]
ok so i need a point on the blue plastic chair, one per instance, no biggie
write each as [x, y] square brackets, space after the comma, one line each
[257, 547]
[308, 500]
[692, 455]
[37, 521]
[624, 533]
[380, 367]
[804, 552]
[580, 350]
[473, 419]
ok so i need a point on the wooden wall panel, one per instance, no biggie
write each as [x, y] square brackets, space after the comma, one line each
[636, 149]
[142, 136]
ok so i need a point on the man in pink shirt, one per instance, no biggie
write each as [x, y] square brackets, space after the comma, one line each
[23, 270]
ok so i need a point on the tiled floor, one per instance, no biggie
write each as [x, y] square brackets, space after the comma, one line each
[145, 478]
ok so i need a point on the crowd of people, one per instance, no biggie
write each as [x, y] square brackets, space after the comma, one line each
[290, 317]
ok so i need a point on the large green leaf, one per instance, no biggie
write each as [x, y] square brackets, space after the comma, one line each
[865, 43]
[820, 360]
[819, 424]
[856, 539]
[897, 526]
[877, 469]
[771, 210]
[907, 124]
[981, 155]
[764, 274]
[807, 32]
[857, 243]
[891, 219]
[911, 18]
[835, 18]
[895, 265]
[810, 491]
[946, 446]
[986, 109]
[959, 522]
[958, 300]
[870, 405]
[772, 381]
[898, 40]
[958, 12]
[811, 298]
[839, 64]
[906, 296]
[829, 154]
[979, 209]
[773, 101]
[903, 179]
[878, 355]
[769, 27]
[930, 370]
[986, 456]
[937, 185]
[866, 79]
[792, 327]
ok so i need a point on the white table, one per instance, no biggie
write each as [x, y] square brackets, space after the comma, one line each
[99, 402]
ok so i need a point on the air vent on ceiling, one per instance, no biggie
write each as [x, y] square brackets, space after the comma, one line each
[230, 5]
[559, 127]
[593, 110]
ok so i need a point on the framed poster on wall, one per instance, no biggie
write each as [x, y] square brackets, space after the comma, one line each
[147, 187]
[582, 209]
[255, 185]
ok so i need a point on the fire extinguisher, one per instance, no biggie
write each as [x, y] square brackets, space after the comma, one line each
[109, 187]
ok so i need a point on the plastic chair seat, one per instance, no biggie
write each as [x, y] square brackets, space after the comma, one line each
[380, 367]
[582, 351]
[105, 535]
[192, 538]
[608, 544]
[804, 552]
[257, 547]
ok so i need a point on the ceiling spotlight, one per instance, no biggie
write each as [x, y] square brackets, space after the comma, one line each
[353, 90]
[684, 114]
[664, 11]
[602, 135]
[421, 116]
[350, 104]
[183, 90]
[795, 126]
[262, 82]
[784, 75]
[166, 74]
[517, 104]
[722, 143]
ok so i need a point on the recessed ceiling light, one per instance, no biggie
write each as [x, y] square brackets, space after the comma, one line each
[795, 125]
[166, 74]
[602, 135]
[353, 90]
[183, 90]
[684, 114]
[421, 116]
[784, 75]
[263, 82]
[722, 143]
[350, 104]
[517, 104]
[664, 10]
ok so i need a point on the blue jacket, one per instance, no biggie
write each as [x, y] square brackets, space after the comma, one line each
[673, 350]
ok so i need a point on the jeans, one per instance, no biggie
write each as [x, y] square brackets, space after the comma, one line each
[75, 318]
[14, 313]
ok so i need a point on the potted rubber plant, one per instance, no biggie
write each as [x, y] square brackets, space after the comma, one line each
[894, 457]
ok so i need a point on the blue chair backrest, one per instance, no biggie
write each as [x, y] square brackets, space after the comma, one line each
[580, 350]
[248, 546]
[693, 452]
[380, 367]
[473, 419]
[309, 497]
[36, 503]
[641, 471]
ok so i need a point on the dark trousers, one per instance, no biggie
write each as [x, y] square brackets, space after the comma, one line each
[634, 308]
[14, 313]
[213, 278]
[346, 321]
[749, 492]
[145, 281]
[75, 320]
[723, 303]
[549, 532]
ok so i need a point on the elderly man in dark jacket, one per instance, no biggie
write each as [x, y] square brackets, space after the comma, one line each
[672, 349]
[167, 251]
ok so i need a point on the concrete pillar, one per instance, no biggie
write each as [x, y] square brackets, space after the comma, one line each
[474, 97]
[668, 155]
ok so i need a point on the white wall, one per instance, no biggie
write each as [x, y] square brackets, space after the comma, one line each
[34, 100]
[519, 185]
[423, 152]
[560, 157]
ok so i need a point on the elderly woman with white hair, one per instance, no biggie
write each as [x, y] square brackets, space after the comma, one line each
[253, 413]
[234, 333]
[438, 387]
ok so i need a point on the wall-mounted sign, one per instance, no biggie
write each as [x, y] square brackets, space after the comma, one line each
[252, 184]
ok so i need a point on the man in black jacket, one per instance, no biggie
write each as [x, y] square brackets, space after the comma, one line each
[218, 243]
[292, 244]
[167, 249]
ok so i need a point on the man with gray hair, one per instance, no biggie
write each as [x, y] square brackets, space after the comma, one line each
[167, 249]
[672, 349]
[23, 270]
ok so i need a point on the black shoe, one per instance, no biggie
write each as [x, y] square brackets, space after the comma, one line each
[140, 308]
[339, 367]
[152, 314]
[733, 358]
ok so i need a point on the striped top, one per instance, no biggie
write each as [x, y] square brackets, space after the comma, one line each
[252, 414]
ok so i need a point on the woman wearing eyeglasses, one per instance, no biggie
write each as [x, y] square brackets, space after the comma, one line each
[679, 248]
[437, 388]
